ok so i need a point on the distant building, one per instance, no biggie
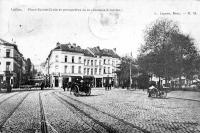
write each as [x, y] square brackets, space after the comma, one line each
[69, 61]
[12, 64]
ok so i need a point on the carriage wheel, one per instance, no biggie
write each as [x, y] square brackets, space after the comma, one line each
[163, 94]
[153, 94]
[89, 92]
[76, 90]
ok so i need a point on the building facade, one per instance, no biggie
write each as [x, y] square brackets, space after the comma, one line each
[66, 62]
[12, 64]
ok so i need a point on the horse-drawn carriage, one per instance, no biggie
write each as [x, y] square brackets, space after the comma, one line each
[80, 86]
[155, 92]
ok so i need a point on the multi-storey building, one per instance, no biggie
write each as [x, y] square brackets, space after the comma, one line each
[12, 64]
[66, 62]
[106, 61]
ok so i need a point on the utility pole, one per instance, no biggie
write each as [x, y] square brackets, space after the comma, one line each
[130, 75]
[130, 71]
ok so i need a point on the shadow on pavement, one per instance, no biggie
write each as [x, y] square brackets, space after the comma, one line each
[184, 99]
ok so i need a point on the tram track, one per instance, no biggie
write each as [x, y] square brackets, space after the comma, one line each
[8, 98]
[44, 128]
[76, 104]
[12, 111]
[79, 113]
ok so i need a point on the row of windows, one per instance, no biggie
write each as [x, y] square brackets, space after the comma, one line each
[87, 62]
[87, 71]
[94, 62]
[66, 59]
[72, 69]
[94, 71]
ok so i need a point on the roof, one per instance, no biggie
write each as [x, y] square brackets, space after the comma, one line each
[104, 52]
[87, 53]
[109, 52]
[96, 50]
[72, 48]
[68, 47]
[3, 42]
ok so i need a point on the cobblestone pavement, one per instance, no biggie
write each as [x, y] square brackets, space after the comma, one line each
[118, 110]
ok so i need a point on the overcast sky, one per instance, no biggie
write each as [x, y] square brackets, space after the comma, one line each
[37, 25]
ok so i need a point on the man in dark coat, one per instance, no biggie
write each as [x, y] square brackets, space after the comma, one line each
[42, 85]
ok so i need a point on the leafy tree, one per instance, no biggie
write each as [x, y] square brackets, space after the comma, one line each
[167, 52]
[30, 71]
[123, 71]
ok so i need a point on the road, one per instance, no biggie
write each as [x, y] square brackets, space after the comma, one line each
[118, 110]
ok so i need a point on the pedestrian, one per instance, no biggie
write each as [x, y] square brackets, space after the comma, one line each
[105, 86]
[1, 85]
[42, 85]
[64, 86]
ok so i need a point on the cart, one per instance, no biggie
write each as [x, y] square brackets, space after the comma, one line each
[81, 87]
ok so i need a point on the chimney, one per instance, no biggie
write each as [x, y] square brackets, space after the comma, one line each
[114, 49]
[74, 44]
[57, 44]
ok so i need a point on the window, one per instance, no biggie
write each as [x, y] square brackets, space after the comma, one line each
[7, 66]
[79, 59]
[92, 71]
[85, 71]
[95, 63]
[104, 61]
[99, 71]
[109, 62]
[56, 58]
[88, 62]
[104, 70]
[112, 71]
[95, 72]
[7, 52]
[113, 63]
[99, 62]
[72, 59]
[88, 70]
[65, 58]
[91, 62]
[65, 69]
[72, 69]
[56, 68]
[108, 69]
[79, 69]
[84, 61]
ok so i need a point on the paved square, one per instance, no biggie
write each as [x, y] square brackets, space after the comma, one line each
[118, 110]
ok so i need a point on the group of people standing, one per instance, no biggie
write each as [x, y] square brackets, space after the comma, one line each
[108, 84]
